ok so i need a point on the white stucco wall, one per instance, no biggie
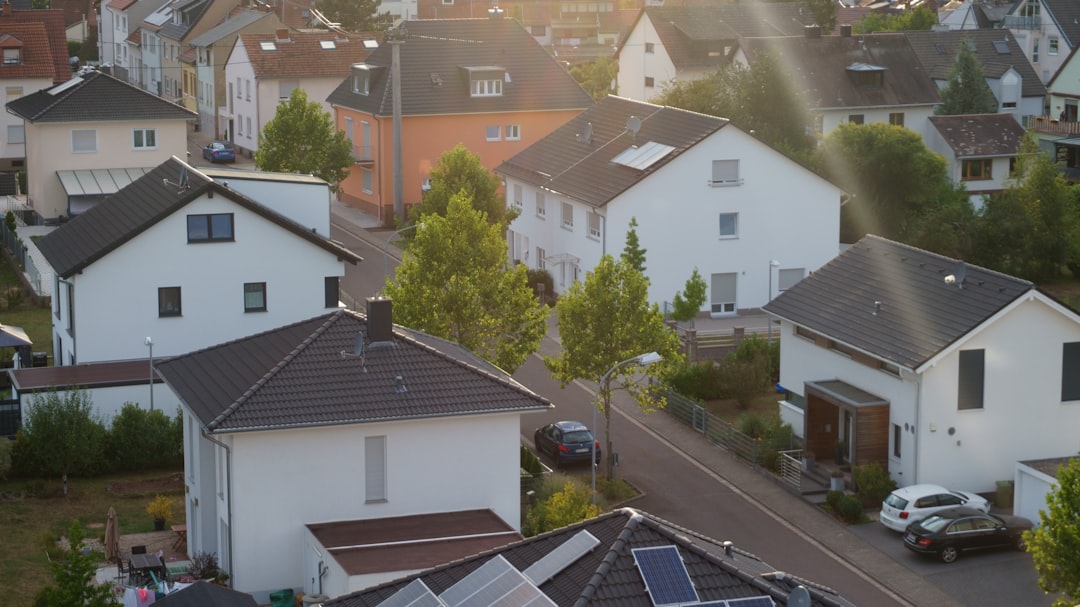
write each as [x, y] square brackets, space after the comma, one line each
[1030, 490]
[268, 97]
[238, 107]
[317, 475]
[305, 200]
[999, 169]
[107, 402]
[635, 64]
[916, 117]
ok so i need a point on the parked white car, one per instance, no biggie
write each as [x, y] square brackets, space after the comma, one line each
[916, 502]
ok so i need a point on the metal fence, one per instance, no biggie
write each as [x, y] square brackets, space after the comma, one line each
[10, 417]
[22, 256]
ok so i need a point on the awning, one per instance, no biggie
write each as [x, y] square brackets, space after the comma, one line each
[841, 393]
[95, 184]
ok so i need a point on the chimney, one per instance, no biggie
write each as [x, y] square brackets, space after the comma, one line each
[812, 31]
[845, 31]
[281, 35]
[7, 8]
[380, 319]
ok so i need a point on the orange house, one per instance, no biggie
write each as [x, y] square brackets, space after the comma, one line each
[479, 82]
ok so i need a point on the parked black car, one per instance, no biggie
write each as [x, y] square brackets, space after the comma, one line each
[947, 533]
[566, 442]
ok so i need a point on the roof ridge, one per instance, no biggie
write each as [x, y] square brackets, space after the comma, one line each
[918, 251]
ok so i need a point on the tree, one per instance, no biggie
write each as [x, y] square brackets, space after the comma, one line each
[301, 138]
[597, 77]
[920, 19]
[824, 12]
[1055, 543]
[73, 576]
[454, 282]
[356, 15]
[966, 91]
[687, 303]
[875, 163]
[61, 435]
[606, 320]
[632, 251]
[459, 171]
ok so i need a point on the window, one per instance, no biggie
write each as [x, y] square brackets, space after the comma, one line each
[285, 88]
[786, 278]
[13, 92]
[1031, 8]
[649, 82]
[247, 90]
[361, 81]
[896, 436]
[83, 141]
[1070, 371]
[594, 225]
[69, 290]
[367, 179]
[722, 293]
[254, 297]
[729, 225]
[970, 381]
[517, 195]
[896, 118]
[425, 184]
[247, 124]
[541, 205]
[568, 216]
[374, 469]
[168, 301]
[492, 133]
[448, 2]
[725, 172]
[56, 289]
[1052, 45]
[1035, 50]
[210, 228]
[487, 88]
[144, 139]
[238, 91]
[239, 124]
[16, 133]
[330, 291]
[12, 56]
[650, 47]
[855, 118]
[977, 170]
[541, 263]
[512, 132]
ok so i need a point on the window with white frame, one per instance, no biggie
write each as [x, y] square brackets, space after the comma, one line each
[594, 225]
[285, 88]
[1052, 45]
[13, 92]
[374, 469]
[247, 90]
[16, 133]
[722, 293]
[512, 132]
[144, 139]
[540, 255]
[729, 225]
[541, 204]
[725, 172]
[487, 88]
[518, 193]
[247, 123]
[787, 277]
[239, 91]
[83, 141]
[492, 133]
[567, 215]
[12, 56]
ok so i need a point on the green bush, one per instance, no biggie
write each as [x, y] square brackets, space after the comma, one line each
[529, 462]
[849, 508]
[569, 504]
[753, 425]
[702, 381]
[615, 490]
[140, 439]
[873, 482]
[9, 221]
[541, 276]
[6, 447]
[832, 499]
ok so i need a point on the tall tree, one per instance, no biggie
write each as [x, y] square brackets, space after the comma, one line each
[459, 171]
[301, 138]
[1055, 543]
[455, 282]
[355, 15]
[687, 303]
[597, 77]
[824, 12]
[920, 19]
[966, 90]
[61, 435]
[632, 251]
[607, 320]
[74, 576]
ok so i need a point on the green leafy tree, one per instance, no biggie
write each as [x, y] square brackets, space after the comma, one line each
[920, 19]
[824, 12]
[966, 91]
[73, 578]
[597, 77]
[949, 228]
[455, 282]
[1055, 543]
[355, 15]
[459, 171]
[632, 251]
[61, 435]
[606, 320]
[875, 162]
[687, 303]
[565, 507]
[301, 138]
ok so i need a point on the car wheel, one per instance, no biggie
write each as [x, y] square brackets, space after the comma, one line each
[949, 554]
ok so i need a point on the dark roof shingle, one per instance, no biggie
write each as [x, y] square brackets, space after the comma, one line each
[995, 49]
[975, 135]
[95, 97]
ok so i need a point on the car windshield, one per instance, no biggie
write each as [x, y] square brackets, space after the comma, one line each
[935, 523]
[577, 436]
[896, 501]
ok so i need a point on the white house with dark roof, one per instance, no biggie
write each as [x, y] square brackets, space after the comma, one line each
[76, 136]
[736, 205]
[1046, 30]
[940, 371]
[344, 417]
[979, 150]
[232, 255]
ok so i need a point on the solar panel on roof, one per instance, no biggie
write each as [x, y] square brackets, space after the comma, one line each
[495, 583]
[753, 601]
[712, 604]
[665, 575]
[643, 157]
[415, 594]
[561, 557]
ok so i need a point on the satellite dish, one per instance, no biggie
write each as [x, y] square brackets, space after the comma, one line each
[633, 124]
[960, 272]
[358, 345]
[587, 135]
[183, 177]
[799, 597]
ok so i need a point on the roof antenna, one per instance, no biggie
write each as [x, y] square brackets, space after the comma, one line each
[358, 351]
[633, 124]
[182, 182]
[586, 136]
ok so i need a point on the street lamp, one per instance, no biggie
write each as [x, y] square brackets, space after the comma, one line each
[386, 248]
[150, 343]
[772, 264]
[641, 359]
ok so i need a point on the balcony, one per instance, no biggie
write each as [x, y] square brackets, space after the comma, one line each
[363, 154]
[1050, 126]
[1021, 22]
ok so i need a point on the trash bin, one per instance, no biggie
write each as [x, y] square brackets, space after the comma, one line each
[282, 598]
[1004, 494]
[39, 359]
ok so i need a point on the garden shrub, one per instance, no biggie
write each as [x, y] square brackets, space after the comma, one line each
[542, 276]
[873, 482]
[6, 447]
[10, 222]
[833, 498]
[701, 381]
[140, 439]
[744, 378]
[752, 424]
[529, 462]
[849, 508]
[615, 490]
[568, 505]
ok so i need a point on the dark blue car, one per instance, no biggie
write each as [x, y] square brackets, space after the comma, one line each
[566, 442]
[219, 151]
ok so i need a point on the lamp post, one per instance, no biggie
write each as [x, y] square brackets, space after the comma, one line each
[772, 264]
[386, 248]
[150, 343]
[641, 359]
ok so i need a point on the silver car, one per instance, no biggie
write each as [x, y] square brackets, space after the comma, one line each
[916, 502]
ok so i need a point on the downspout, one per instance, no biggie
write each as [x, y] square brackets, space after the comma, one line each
[228, 470]
[917, 380]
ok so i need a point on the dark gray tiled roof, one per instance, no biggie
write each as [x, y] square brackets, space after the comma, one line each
[937, 52]
[96, 97]
[191, 13]
[204, 594]
[228, 27]
[980, 134]
[434, 81]
[297, 376]
[146, 201]
[607, 576]
[1066, 13]
[564, 162]
[919, 316]
[820, 69]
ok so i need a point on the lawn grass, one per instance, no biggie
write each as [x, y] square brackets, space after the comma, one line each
[31, 510]
[35, 320]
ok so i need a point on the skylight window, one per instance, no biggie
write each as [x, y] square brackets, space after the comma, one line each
[268, 46]
[327, 45]
[371, 44]
[643, 157]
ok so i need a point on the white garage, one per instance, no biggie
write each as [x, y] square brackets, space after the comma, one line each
[1035, 479]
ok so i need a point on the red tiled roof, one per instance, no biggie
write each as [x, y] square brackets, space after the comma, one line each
[35, 59]
[302, 55]
[120, 5]
[55, 31]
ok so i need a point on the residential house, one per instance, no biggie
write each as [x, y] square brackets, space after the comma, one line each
[342, 417]
[863, 79]
[236, 254]
[980, 150]
[685, 177]
[941, 371]
[189, 19]
[483, 83]
[1058, 130]
[1046, 30]
[211, 49]
[625, 557]
[147, 60]
[118, 20]
[80, 18]
[74, 129]
[1015, 85]
[261, 70]
[1035, 480]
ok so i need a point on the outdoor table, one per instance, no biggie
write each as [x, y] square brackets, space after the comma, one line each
[181, 536]
[143, 564]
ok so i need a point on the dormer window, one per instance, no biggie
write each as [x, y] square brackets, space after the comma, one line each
[864, 75]
[361, 79]
[487, 81]
[12, 56]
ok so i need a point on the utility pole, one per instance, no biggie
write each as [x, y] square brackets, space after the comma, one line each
[395, 37]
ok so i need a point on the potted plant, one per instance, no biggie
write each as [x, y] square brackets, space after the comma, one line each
[836, 481]
[161, 510]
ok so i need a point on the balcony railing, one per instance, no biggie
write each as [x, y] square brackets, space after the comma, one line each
[1021, 22]
[1046, 124]
[363, 153]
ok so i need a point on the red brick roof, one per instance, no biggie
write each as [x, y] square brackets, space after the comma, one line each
[35, 59]
[301, 54]
[55, 32]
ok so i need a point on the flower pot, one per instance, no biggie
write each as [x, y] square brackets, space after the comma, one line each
[159, 524]
[836, 483]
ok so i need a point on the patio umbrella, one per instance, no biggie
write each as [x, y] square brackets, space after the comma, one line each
[112, 536]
